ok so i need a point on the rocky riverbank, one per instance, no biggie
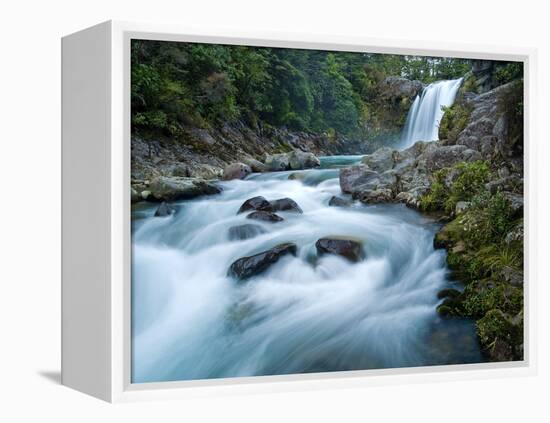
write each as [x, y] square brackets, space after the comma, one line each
[473, 178]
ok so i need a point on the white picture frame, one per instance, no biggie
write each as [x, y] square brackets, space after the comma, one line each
[96, 214]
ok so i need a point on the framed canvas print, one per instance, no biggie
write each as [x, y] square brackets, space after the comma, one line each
[253, 213]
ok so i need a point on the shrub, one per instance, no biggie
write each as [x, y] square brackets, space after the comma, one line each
[469, 182]
[454, 120]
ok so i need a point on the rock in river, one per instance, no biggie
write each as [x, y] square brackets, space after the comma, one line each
[165, 209]
[285, 204]
[255, 203]
[166, 188]
[246, 231]
[265, 216]
[236, 171]
[246, 267]
[350, 249]
[338, 202]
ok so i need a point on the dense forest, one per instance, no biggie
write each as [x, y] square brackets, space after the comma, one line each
[178, 84]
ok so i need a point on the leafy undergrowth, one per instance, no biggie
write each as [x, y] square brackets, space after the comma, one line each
[482, 255]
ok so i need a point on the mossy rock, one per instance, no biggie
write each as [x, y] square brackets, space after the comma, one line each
[501, 338]
[482, 296]
[450, 307]
[448, 293]
[449, 234]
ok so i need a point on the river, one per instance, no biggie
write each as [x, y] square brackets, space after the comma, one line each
[305, 313]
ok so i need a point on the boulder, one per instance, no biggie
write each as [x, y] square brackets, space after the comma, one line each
[246, 231]
[439, 156]
[265, 216]
[247, 267]
[299, 160]
[350, 249]
[255, 165]
[285, 204]
[165, 188]
[145, 195]
[236, 171]
[381, 160]
[165, 209]
[510, 275]
[134, 196]
[295, 160]
[255, 203]
[395, 88]
[353, 176]
[515, 235]
[339, 202]
[277, 162]
[297, 176]
[180, 169]
[374, 196]
[516, 203]
[462, 206]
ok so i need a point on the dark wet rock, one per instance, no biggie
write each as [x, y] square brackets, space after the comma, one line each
[166, 188]
[165, 209]
[255, 203]
[350, 249]
[339, 202]
[297, 176]
[285, 204]
[265, 216]
[236, 171]
[448, 293]
[246, 231]
[247, 267]
[516, 203]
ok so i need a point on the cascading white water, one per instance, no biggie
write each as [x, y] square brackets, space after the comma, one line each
[191, 321]
[426, 112]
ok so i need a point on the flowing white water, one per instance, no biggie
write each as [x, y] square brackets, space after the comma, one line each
[425, 114]
[191, 321]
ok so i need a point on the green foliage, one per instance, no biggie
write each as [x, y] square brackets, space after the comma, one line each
[454, 120]
[436, 198]
[509, 72]
[500, 336]
[176, 84]
[510, 104]
[468, 179]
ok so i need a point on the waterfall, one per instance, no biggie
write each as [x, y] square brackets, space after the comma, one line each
[426, 112]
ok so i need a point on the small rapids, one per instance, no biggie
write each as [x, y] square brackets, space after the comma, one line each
[304, 314]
